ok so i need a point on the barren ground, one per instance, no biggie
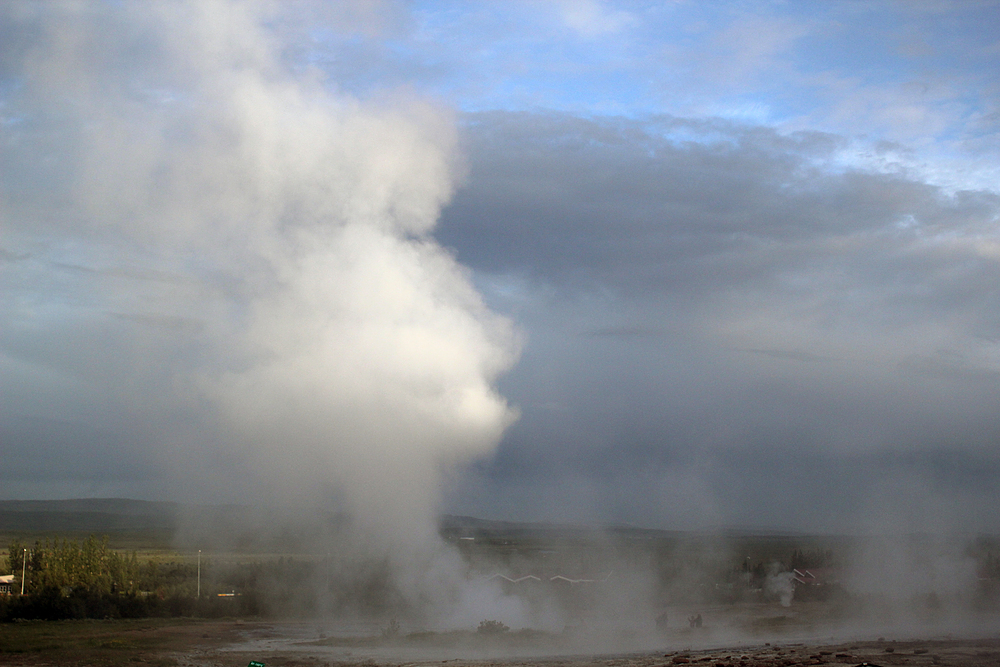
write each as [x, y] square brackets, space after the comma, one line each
[198, 643]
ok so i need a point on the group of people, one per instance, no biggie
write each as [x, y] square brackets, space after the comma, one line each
[693, 621]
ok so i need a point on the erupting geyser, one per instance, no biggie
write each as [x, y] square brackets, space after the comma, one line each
[255, 296]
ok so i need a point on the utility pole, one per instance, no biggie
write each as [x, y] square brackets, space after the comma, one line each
[24, 563]
[748, 572]
[199, 574]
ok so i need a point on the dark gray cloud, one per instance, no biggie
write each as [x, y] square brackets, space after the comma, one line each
[675, 205]
[733, 312]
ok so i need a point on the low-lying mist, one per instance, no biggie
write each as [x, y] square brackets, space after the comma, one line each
[500, 586]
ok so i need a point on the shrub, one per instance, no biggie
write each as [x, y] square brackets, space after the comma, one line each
[491, 628]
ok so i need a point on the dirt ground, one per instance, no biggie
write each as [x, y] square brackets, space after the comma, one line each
[190, 643]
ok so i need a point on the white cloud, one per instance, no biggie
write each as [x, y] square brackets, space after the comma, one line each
[593, 18]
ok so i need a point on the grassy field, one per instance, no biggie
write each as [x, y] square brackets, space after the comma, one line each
[151, 542]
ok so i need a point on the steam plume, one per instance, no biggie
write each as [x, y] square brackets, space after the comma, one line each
[239, 260]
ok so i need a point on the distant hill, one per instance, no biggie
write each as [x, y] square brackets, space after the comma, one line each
[243, 526]
[87, 515]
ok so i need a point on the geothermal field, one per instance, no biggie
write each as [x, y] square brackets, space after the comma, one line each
[498, 593]
[618, 333]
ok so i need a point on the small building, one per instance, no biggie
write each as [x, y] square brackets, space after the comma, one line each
[504, 578]
[6, 584]
[816, 576]
[816, 583]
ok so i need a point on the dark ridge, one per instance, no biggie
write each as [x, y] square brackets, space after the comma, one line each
[122, 506]
[91, 515]
[81, 522]
[118, 515]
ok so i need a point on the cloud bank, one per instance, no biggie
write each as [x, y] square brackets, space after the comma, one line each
[729, 325]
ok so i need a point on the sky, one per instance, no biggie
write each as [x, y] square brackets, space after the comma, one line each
[673, 264]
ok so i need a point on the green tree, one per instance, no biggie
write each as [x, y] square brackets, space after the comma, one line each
[70, 565]
[15, 556]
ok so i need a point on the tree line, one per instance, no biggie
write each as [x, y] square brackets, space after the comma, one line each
[70, 565]
[88, 579]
